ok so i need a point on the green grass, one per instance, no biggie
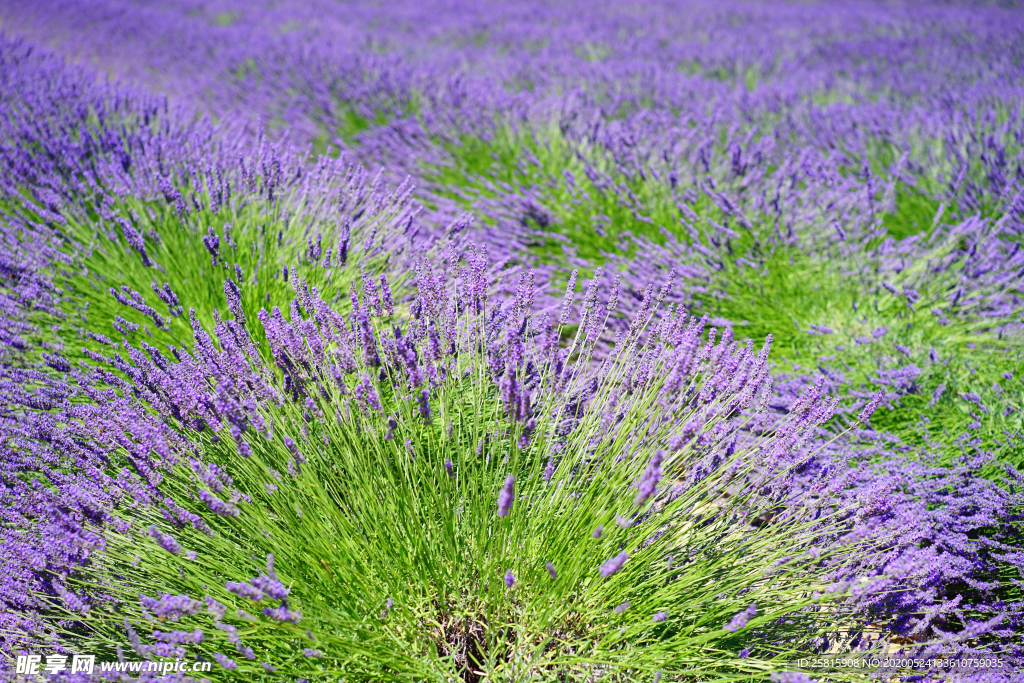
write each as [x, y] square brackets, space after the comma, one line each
[914, 213]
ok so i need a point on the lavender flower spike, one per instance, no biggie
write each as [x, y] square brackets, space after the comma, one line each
[741, 619]
[166, 542]
[649, 480]
[570, 290]
[869, 409]
[790, 677]
[614, 564]
[506, 497]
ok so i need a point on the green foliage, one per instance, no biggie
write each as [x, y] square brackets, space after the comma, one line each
[795, 291]
[225, 18]
[915, 213]
[594, 215]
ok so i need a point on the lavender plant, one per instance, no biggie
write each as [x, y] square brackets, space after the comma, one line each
[423, 499]
[144, 263]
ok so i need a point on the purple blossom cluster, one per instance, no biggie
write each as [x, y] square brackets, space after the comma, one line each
[784, 140]
[740, 620]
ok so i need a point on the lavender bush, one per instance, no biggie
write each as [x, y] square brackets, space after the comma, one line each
[498, 407]
[642, 446]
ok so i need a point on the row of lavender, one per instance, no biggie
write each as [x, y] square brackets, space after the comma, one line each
[646, 88]
[730, 128]
[947, 507]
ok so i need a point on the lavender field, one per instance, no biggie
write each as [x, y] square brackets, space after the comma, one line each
[436, 340]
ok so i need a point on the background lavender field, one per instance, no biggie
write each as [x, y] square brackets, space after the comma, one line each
[423, 340]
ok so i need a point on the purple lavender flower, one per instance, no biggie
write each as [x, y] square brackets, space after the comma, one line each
[244, 590]
[125, 327]
[790, 677]
[622, 607]
[283, 614]
[551, 570]
[570, 291]
[549, 471]
[166, 542]
[171, 607]
[879, 332]
[424, 405]
[225, 661]
[217, 506]
[649, 479]
[980, 628]
[366, 394]
[598, 531]
[869, 409]
[234, 299]
[310, 652]
[514, 395]
[510, 578]
[212, 242]
[270, 584]
[507, 496]
[67, 170]
[613, 298]
[215, 609]
[387, 300]
[614, 564]
[740, 620]
[135, 241]
[659, 617]
[744, 653]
